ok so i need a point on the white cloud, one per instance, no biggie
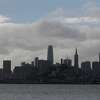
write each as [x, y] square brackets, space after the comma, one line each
[25, 41]
[91, 8]
[75, 20]
[4, 19]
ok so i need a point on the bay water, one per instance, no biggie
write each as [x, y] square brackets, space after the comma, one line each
[49, 92]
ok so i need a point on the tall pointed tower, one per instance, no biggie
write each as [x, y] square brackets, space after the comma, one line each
[76, 65]
[50, 54]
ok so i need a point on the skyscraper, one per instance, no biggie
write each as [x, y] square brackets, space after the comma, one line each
[68, 62]
[36, 62]
[50, 54]
[76, 65]
[6, 69]
[7, 66]
[86, 66]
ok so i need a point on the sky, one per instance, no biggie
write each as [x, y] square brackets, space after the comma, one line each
[27, 27]
[31, 10]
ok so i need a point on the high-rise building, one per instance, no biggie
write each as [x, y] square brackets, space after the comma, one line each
[76, 64]
[50, 54]
[32, 63]
[7, 66]
[42, 64]
[68, 62]
[96, 68]
[62, 61]
[7, 69]
[86, 66]
[36, 62]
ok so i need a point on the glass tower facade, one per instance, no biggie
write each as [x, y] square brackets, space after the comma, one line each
[50, 54]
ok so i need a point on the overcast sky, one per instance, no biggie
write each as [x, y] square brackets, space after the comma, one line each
[27, 27]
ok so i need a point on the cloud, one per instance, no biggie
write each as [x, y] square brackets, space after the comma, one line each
[4, 19]
[53, 29]
[84, 19]
[79, 20]
[91, 8]
[21, 41]
[36, 36]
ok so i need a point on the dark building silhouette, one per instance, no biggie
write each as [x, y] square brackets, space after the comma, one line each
[95, 65]
[43, 65]
[36, 62]
[61, 61]
[32, 63]
[7, 66]
[1, 74]
[7, 69]
[86, 66]
[50, 54]
[67, 62]
[45, 71]
[76, 64]
[96, 69]
[23, 64]
[23, 72]
[17, 73]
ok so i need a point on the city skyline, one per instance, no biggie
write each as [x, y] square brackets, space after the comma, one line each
[28, 27]
[50, 52]
[40, 71]
[75, 61]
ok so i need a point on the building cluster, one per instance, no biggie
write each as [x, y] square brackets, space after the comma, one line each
[45, 71]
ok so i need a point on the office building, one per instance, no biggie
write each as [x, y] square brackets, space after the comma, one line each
[7, 66]
[36, 62]
[96, 68]
[68, 62]
[86, 66]
[76, 64]
[7, 69]
[50, 55]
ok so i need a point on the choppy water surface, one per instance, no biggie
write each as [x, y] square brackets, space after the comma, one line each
[49, 92]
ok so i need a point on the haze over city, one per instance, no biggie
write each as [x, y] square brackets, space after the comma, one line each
[27, 27]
